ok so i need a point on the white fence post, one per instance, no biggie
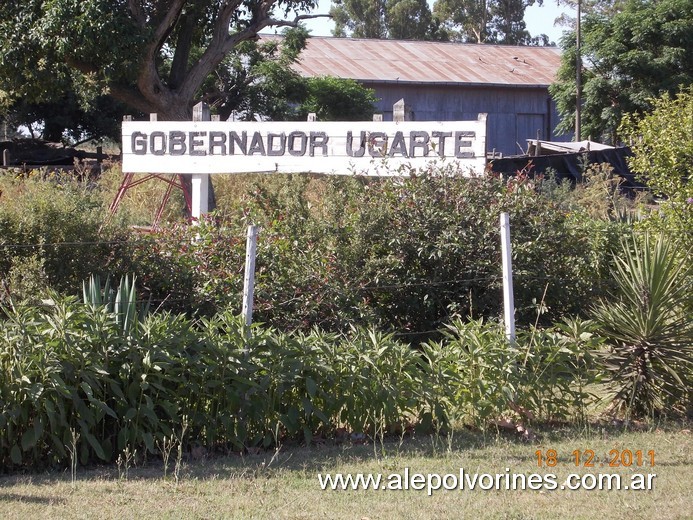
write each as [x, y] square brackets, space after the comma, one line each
[508, 297]
[249, 276]
[199, 183]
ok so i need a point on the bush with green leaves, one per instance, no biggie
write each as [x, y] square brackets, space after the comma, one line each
[127, 383]
[663, 159]
[406, 255]
[648, 361]
[474, 374]
[402, 255]
[56, 224]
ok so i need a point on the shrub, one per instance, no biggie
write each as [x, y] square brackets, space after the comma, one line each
[663, 158]
[474, 376]
[648, 329]
[58, 223]
[69, 366]
[407, 255]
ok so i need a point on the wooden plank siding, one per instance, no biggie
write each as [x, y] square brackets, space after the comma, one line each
[514, 114]
[449, 82]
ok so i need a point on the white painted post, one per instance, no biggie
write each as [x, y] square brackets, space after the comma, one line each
[508, 298]
[249, 276]
[402, 112]
[200, 181]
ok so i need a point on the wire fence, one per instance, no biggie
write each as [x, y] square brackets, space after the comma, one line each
[446, 287]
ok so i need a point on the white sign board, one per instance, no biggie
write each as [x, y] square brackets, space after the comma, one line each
[363, 148]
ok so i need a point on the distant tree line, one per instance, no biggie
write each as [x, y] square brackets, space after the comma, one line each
[469, 21]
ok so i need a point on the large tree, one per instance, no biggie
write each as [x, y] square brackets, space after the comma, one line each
[151, 55]
[487, 21]
[381, 19]
[632, 53]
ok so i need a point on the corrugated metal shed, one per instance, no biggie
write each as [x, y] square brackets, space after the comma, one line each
[429, 62]
[450, 82]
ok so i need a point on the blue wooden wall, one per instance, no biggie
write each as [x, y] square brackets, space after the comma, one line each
[515, 114]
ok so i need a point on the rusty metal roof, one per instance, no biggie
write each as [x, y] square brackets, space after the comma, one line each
[429, 62]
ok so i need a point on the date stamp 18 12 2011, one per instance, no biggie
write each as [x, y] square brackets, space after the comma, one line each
[588, 458]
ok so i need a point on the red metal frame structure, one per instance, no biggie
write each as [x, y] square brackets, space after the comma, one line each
[173, 181]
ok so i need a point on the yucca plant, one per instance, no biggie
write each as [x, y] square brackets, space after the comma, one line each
[122, 302]
[648, 328]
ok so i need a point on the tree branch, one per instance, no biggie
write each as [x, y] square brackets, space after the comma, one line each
[165, 26]
[273, 22]
[132, 98]
[220, 45]
[148, 81]
[182, 54]
[135, 8]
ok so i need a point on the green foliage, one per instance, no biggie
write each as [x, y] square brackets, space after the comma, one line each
[633, 56]
[26, 281]
[57, 222]
[196, 269]
[492, 21]
[154, 57]
[398, 19]
[68, 119]
[557, 369]
[458, 20]
[68, 367]
[402, 255]
[43, 66]
[256, 80]
[663, 158]
[121, 302]
[474, 375]
[648, 329]
[336, 99]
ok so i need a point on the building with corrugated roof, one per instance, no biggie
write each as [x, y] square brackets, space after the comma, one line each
[450, 81]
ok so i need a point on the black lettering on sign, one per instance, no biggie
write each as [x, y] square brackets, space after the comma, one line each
[257, 145]
[271, 150]
[138, 143]
[461, 143]
[350, 145]
[377, 144]
[440, 145]
[197, 144]
[398, 145]
[217, 140]
[418, 140]
[302, 143]
[318, 140]
[157, 143]
[176, 143]
[241, 141]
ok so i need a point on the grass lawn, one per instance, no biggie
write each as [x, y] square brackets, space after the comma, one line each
[287, 487]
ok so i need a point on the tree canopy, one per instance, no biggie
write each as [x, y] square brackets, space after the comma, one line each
[474, 21]
[380, 19]
[153, 56]
[487, 21]
[633, 52]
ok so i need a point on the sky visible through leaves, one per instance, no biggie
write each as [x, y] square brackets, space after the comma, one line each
[539, 19]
